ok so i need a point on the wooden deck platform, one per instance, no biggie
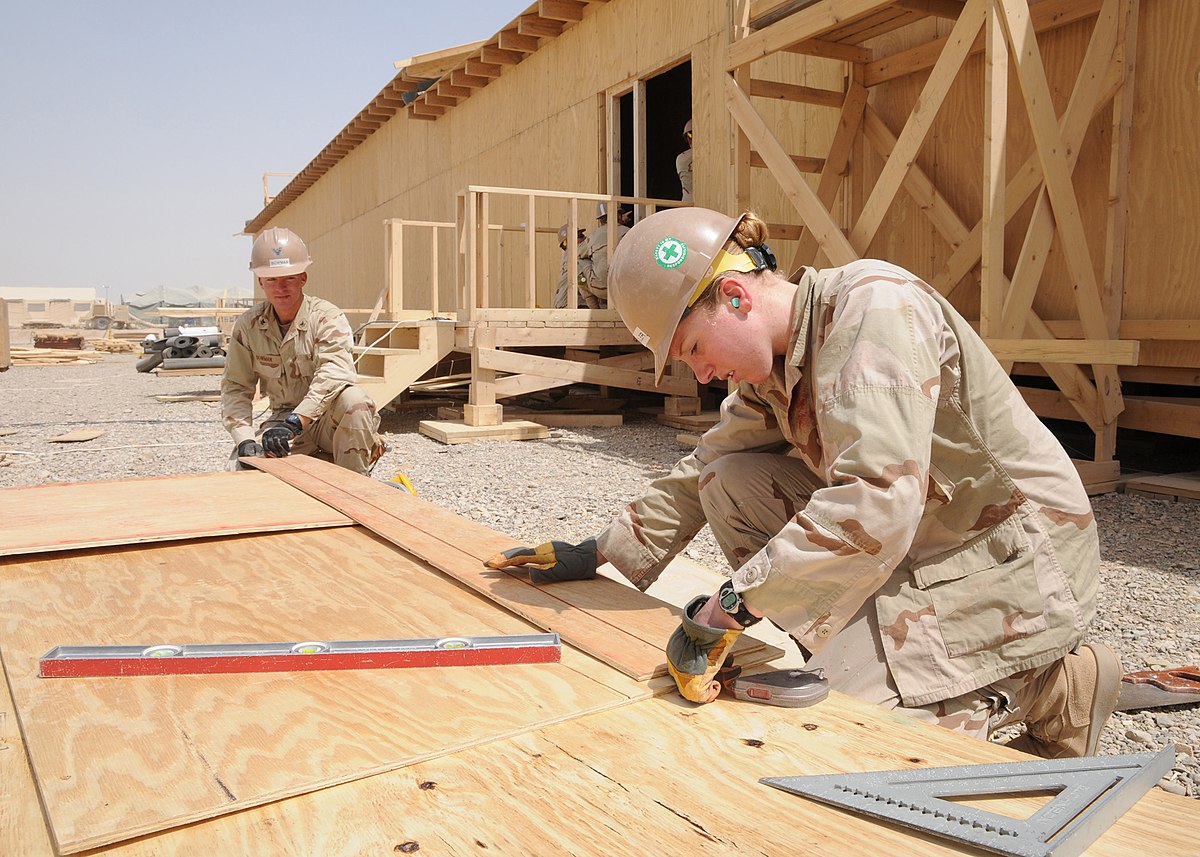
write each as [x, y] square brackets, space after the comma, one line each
[594, 755]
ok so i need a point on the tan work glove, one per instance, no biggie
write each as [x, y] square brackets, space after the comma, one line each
[551, 562]
[696, 652]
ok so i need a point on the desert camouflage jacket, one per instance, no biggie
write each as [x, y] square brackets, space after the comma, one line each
[301, 371]
[934, 469]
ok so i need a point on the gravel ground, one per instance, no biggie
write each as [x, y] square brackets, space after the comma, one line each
[568, 486]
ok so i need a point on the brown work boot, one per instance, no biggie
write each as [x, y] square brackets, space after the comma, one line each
[1078, 696]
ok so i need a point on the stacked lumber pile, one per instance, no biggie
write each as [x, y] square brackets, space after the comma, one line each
[52, 356]
[65, 341]
[115, 346]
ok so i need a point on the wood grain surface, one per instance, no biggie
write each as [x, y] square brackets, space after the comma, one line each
[658, 777]
[65, 515]
[620, 625]
[118, 757]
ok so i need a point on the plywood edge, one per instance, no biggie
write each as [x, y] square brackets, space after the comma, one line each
[624, 628]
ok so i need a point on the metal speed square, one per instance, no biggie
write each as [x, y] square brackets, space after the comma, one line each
[1090, 794]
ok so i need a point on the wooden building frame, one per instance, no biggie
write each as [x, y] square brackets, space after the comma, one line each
[1000, 150]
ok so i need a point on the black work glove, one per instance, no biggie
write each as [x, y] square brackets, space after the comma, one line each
[696, 652]
[277, 440]
[551, 562]
[248, 449]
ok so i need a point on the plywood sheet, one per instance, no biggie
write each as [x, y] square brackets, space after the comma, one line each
[65, 515]
[118, 757]
[622, 626]
[631, 781]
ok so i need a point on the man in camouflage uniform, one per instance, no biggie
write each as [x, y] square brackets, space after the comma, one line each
[297, 348]
[878, 485]
[583, 267]
[597, 256]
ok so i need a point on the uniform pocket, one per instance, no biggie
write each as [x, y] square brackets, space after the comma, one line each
[985, 593]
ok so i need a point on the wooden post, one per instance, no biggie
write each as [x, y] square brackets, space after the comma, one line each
[5, 347]
[531, 253]
[468, 239]
[482, 246]
[481, 408]
[433, 270]
[394, 300]
[995, 134]
[572, 252]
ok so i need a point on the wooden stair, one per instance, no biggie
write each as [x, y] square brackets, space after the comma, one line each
[394, 354]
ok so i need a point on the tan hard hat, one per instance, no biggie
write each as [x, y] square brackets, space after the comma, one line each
[662, 266]
[278, 252]
[687, 129]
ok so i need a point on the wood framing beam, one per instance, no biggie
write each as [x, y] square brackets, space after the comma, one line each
[941, 8]
[479, 68]
[422, 109]
[471, 81]
[1039, 232]
[511, 40]
[807, 23]
[562, 10]
[792, 92]
[539, 27]
[995, 138]
[1121, 352]
[449, 89]
[1056, 172]
[500, 56]
[494, 360]
[804, 163]
[519, 385]
[830, 238]
[1047, 15]
[435, 99]
[929, 102]
[831, 51]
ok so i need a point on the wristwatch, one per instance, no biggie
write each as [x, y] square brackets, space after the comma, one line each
[731, 602]
[292, 421]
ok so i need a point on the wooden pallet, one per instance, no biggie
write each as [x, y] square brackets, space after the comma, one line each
[1171, 486]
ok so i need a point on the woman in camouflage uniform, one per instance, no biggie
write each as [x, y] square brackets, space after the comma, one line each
[877, 483]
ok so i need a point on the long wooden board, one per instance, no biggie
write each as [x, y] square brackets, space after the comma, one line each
[65, 515]
[119, 757]
[622, 626]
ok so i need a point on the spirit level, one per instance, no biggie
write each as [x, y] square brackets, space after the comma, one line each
[93, 661]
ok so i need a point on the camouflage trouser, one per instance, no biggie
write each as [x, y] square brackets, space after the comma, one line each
[347, 432]
[747, 498]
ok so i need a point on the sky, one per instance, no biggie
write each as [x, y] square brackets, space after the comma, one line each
[134, 135]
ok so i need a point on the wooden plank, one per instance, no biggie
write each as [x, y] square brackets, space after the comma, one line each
[995, 136]
[65, 516]
[1119, 352]
[120, 757]
[1178, 485]
[623, 627]
[452, 432]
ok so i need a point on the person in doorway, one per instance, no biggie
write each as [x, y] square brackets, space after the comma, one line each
[597, 255]
[582, 269]
[297, 349]
[683, 164]
[878, 485]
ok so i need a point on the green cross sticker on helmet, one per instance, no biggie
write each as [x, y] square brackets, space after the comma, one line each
[670, 253]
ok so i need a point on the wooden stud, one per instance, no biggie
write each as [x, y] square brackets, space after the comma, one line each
[481, 408]
[995, 136]
[831, 50]
[445, 88]
[804, 163]
[808, 23]
[531, 252]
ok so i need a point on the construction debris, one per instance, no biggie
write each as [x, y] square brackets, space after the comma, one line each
[183, 349]
[53, 357]
[58, 340]
[76, 436]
